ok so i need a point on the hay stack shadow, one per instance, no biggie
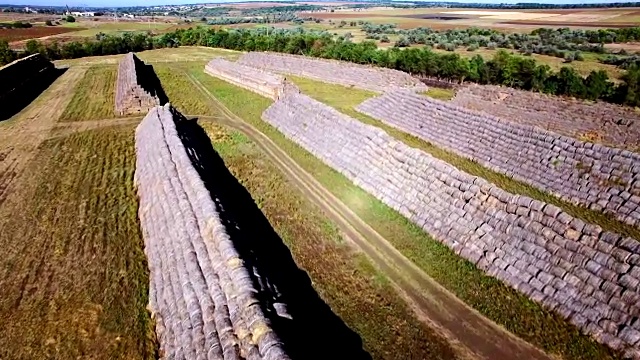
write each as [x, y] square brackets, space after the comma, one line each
[314, 332]
[19, 98]
[149, 81]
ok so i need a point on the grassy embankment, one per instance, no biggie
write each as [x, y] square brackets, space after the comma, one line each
[74, 277]
[346, 281]
[492, 298]
[94, 97]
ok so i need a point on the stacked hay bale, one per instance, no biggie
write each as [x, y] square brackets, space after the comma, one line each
[332, 71]
[592, 175]
[259, 81]
[589, 276]
[22, 72]
[131, 96]
[208, 304]
[611, 124]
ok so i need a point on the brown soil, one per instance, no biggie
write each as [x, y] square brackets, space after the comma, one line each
[558, 24]
[35, 32]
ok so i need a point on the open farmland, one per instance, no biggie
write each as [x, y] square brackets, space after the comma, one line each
[12, 35]
[403, 248]
[507, 20]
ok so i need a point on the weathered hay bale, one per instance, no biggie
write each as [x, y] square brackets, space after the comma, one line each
[595, 176]
[589, 276]
[202, 294]
[602, 122]
[333, 71]
[257, 80]
[132, 96]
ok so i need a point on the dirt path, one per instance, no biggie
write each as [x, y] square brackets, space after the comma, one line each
[21, 135]
[471, 334]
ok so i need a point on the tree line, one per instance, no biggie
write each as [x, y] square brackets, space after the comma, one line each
[503, 69]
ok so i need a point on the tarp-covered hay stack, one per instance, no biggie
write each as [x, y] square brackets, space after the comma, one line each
[257, 80]
[203, 296]
[137, 89]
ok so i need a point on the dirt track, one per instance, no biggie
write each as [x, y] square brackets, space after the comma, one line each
[470, 334]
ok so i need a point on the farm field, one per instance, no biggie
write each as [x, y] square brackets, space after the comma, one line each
[92, 28]
[69, 163]
[11, 35]
[507, 20]
[504, 306]
[86, 276]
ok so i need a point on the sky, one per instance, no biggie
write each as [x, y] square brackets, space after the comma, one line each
[116, 3]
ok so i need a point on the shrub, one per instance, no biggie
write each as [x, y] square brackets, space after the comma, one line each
[70, 19]
[48, 23]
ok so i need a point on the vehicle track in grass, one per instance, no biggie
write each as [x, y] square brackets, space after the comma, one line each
[470, 334]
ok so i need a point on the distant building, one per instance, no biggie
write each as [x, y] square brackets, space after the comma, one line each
[81, 14]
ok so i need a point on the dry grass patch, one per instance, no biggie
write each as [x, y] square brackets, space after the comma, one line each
[73, 275]
[440, 93]
[347, 281]
[94, 97]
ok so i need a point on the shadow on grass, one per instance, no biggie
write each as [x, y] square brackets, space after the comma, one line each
[149, 81]
[14, 101]
[314, 331]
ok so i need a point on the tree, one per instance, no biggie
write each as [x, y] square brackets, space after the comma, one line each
[70, 19]
[6, 54]
[598, 85]
[629, 91]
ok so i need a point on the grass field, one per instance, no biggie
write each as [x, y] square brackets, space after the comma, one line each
[489, 296]
[94, 97]
[74, 276]
[95, 27]
[388, 327]
[507, 20]
[177, 88]
[182, 54]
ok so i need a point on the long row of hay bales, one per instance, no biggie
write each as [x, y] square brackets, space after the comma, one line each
[338, 72]
[207, 302]
[259, 81]
[590, 276]
[592, 175]
[133, 96]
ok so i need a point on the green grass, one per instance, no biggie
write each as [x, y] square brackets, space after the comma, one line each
[488, 295]
[179, 90]
[346, 281]
[440, 93]
[170, 55]
[73, 273]
[346, 99]
[119, 27]
[94, 97]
